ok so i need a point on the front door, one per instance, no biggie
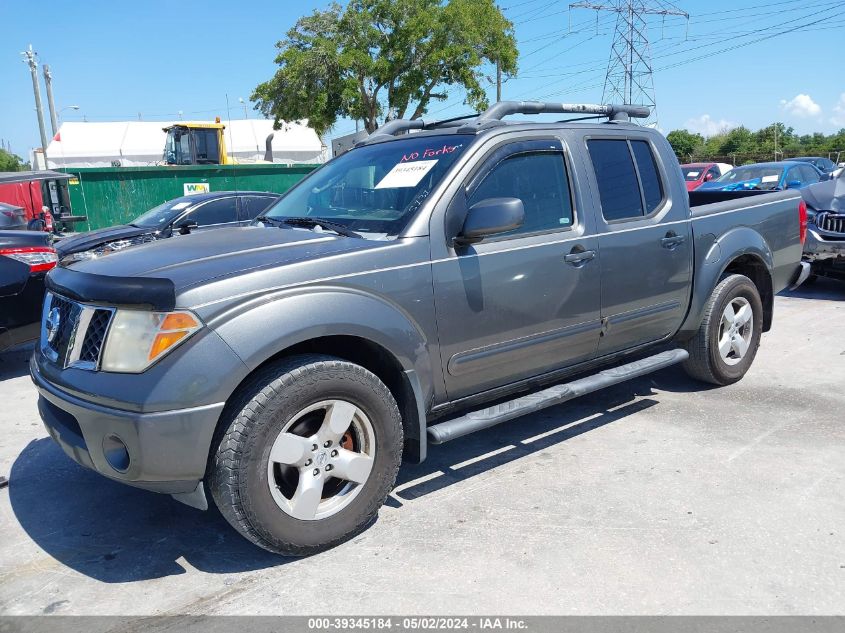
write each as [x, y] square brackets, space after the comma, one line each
[514, 305]
[644, 245]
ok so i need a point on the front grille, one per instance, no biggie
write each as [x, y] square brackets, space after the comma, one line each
[72, 333]
[831, 222]
[92, 344]
[68, 316]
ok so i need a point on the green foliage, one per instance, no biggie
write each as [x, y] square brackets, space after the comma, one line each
[11, 162]
[740, 145]
[683, 142]
[379, 57]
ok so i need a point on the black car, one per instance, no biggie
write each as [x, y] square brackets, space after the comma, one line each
[824, 165]
[25, 258]
[178, 216]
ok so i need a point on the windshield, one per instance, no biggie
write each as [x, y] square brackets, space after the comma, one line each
[162, 215]
[691, 174]
[768, 176]
[375, 188]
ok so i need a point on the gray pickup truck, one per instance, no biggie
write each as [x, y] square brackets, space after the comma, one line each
[436, 280]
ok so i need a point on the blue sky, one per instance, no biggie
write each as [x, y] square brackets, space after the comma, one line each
[118, 59]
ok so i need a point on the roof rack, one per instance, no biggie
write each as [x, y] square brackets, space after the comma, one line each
[493, 116]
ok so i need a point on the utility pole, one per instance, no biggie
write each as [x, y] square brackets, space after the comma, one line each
[48, 83]
[498, 80]
[29, 59]
[630, 76]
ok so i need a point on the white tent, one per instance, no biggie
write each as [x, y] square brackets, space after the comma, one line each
[141, 143]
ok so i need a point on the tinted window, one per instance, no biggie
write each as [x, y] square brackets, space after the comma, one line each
[215, 212]
[206, 147]
[619, 190]
[539, 180]
[809, 175]
[251, 206]
[649, 177]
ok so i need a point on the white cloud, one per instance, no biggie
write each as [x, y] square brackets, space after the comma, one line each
[838, 117]
[707, 126]
[801, 106]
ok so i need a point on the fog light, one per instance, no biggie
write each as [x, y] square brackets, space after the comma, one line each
[116, 453]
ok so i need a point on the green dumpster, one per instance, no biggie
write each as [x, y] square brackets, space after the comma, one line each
[117, 195]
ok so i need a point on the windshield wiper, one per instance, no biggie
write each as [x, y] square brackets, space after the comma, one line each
[324, 224]
[268, 220]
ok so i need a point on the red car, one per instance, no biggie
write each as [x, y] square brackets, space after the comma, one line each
[696, 174]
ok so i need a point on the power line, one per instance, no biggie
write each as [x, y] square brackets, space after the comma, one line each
[629, 78]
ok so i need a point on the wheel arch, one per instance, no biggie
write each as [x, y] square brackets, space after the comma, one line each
[740, 251]
[354, 327]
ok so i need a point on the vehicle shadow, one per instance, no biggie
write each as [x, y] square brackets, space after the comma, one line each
[116, 534]
[822, 288]
[15, 363]
[474, 454]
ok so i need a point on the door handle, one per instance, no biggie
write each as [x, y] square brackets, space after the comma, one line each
[577, 257]
[672, 240]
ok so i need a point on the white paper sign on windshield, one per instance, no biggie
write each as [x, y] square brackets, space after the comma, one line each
[406, 174]
[770, 178]
[693, 174]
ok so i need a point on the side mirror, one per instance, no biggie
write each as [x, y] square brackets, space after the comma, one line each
[794, 184]
[490, 217]
[186, 226]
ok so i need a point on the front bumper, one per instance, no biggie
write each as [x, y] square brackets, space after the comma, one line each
[160, 451]
[817, 248]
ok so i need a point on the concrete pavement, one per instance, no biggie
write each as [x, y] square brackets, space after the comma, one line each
[660, 496]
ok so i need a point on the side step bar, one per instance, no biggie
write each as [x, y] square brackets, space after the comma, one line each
[491, 416]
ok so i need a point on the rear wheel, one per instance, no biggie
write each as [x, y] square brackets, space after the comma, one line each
[726, 343]
[309, 454]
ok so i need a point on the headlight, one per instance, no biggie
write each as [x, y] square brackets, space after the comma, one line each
[138, 338]
[77, 257]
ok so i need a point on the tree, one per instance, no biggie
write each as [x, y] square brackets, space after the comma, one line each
[11, 162]
[684, 143]
[382, 59]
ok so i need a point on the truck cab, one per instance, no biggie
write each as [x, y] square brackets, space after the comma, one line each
[196, 144]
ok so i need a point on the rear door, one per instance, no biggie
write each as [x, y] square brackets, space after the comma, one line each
[522, 303]
[644, 243]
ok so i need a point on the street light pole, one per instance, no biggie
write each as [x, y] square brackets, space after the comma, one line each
[29, 59]
[70, 107]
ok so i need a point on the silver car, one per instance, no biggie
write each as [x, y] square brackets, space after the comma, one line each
[12, 218]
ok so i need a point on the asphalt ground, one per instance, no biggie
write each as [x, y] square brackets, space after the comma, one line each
[658, 496]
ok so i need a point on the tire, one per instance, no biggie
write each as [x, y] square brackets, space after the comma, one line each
[706, 361]
[809, 281]
[265, 476]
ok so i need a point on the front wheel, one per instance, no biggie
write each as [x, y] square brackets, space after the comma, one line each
[307, 455]
[722, 350]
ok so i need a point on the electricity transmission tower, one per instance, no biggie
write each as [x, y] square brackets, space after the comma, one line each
[630, 77]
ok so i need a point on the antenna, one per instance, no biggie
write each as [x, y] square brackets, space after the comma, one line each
[630, 76]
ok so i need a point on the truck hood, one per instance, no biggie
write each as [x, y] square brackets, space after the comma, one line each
[93, 239]
[200, 257]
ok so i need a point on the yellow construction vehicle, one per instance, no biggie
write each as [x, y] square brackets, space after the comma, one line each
[194, 143]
